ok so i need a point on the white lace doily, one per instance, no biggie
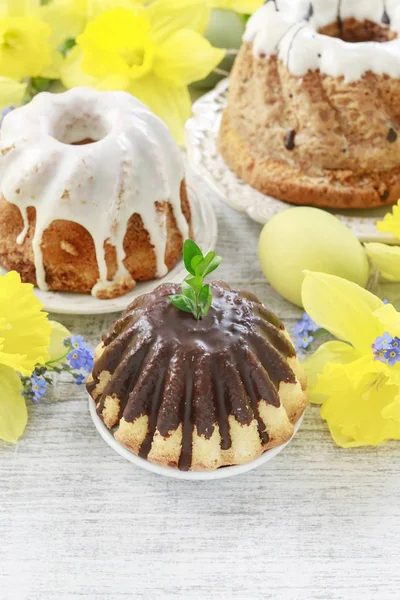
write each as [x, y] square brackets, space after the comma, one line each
[201, 141]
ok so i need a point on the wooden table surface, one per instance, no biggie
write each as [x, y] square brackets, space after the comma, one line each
[77, 521]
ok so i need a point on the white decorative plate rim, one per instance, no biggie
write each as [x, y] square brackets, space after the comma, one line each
[204, 158]
[205, 233]
[222, 473]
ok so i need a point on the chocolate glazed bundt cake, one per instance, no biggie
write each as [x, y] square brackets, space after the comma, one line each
[313, 115]
[198, 394]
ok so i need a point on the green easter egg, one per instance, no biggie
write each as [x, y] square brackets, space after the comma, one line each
[305, 238]
[225, 30]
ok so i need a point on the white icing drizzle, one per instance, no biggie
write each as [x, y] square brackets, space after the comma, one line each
[134, 164]
[289, 29]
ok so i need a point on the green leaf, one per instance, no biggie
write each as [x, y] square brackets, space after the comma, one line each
[213, 265]
[190, 250]
[196, 261]
[196, 297]
[202, 266]
[183, 303]
[194, 282]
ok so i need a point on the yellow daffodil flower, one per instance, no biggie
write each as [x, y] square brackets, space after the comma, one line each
[27, 339]
[25, 334]
[239, 6]
[357, 379]
[31, 34]
[385, 257]
[24, 329]
[152, 53]
[24, 47]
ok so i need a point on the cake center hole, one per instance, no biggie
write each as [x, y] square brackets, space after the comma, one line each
[353, 31]
[80, 130]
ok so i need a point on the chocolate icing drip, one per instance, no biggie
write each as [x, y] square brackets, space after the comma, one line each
[289, 140]
[392, 136]
[247, 369]
[276, 338]
[154, 406]
[273, 362]
[310, 12]
[195, 374]
[237, 400]
[220, 403]
[169, 416]
[385, 16]
[150, 368]
[187, 422]
[116, 352]
[205, 414]
[124, 377]
[267, 315]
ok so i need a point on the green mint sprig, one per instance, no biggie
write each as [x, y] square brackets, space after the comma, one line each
[196, 298]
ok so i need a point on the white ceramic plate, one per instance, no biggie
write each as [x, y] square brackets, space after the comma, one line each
[203, 155]
[205, 234]
[175, 473]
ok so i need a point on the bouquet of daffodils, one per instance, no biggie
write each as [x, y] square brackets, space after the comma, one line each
[151, 49]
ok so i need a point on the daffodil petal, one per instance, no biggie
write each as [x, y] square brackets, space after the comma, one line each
[22, 8]
[389, 318]
[195, 63]
[26, 335]
[391, 222]
[72, 74]
[169, 16]
[13, 413]
[97, 7]
[30, 53]
[57, 350]
[11, 92]
[331, 352]
[239, 6]
[386, 258]
[172, 104]
[354, 414]
[392, 410]
[64, 19]
[342, 307]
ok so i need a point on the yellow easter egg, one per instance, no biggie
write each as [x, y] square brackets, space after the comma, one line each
[305, 238]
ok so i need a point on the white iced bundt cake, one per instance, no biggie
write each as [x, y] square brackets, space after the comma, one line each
[313, 115]
[93, 195]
